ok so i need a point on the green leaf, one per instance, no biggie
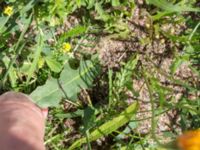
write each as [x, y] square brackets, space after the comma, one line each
[3, 21]
[12, 71]
[115, 3]
[70, 83]
[89, 118]
[165, 5]
[78, 2]
[54, 65]
[91, 3]
[160, 90]
[75, 114]
[77, 30]
[81, 3]
[109, 126]
[124, 77]
[27, 7]
[47, 95]
[25, 67]
[37, 53]
[176, 64]
[102, 14]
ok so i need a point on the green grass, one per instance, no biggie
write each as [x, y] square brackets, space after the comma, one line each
[93, 104]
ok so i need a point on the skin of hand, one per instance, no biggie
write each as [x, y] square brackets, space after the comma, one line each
[22, 123]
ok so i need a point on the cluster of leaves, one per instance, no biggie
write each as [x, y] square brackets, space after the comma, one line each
[59, 71]
[109, 14]
[71, 81]
[39, 20]
[190, 55]
[25, 50]
[95, 124]
[28, 59]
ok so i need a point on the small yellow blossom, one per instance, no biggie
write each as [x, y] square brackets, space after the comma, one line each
[40, 62]
[8, 10]
[66, 48]
[189, 140]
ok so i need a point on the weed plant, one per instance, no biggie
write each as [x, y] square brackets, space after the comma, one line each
[47, 51]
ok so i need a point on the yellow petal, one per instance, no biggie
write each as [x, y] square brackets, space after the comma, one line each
[8, 10]
[66, 47]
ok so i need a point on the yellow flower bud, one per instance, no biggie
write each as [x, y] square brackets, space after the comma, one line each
[8, 10]
[40, 62]
[66, 47]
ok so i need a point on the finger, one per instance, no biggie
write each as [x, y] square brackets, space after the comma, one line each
[44, 112]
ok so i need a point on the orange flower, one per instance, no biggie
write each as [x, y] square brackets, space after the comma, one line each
[190, 140]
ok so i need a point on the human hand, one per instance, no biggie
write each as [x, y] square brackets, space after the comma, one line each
[22, 123]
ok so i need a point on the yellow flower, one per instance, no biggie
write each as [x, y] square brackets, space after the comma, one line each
[8, 10]
[190, 140]
[66, 47]
[40, 62]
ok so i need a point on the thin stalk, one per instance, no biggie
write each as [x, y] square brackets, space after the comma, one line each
[87, 139]
[56, 148]
[153, 122]
[88, 98]
[51, 139]
[195, 29]
[66, 97]
[136, 120]
[126, 134]
[162, 72]
[110, 74]
[52, 131]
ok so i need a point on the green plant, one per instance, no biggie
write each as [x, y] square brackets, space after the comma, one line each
[49, 49]
[109, 126]
[122, 82]
[70, 83]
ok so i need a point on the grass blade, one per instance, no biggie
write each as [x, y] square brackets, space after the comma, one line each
[38, 51]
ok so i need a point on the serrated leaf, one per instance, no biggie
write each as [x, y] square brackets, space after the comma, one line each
[109, 126]
[69, 84]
